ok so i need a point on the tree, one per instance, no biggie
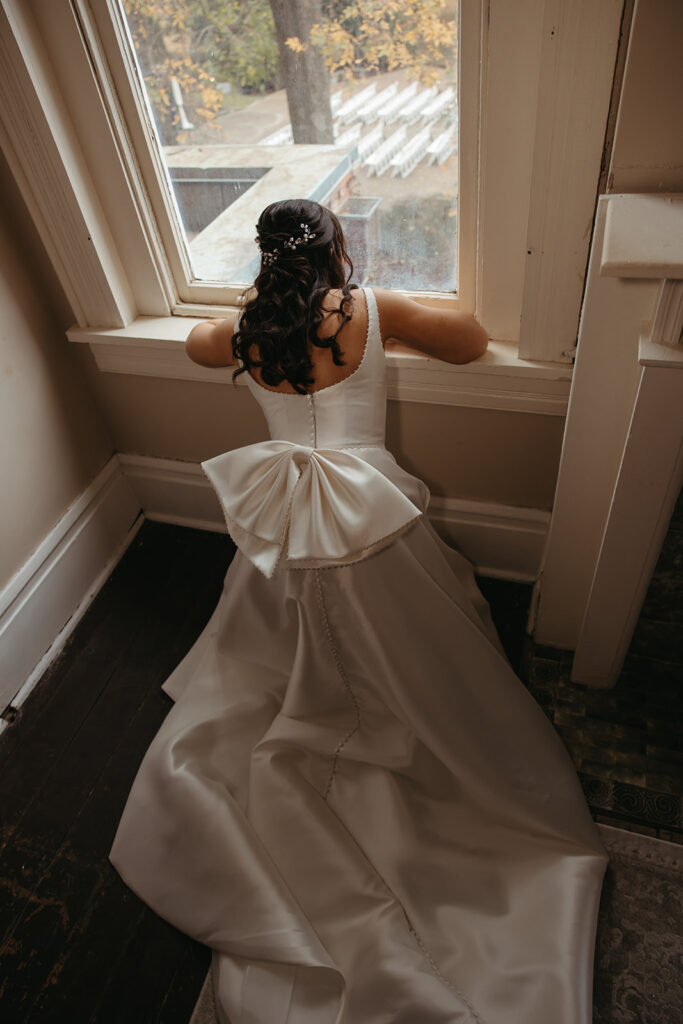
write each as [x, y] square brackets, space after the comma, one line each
[349, 36]
[383, 35]
[256, 44]
[303, 69]
[162, 33]
[236, 42]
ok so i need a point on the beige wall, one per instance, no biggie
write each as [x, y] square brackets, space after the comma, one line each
[53, 440]
[478, 454]
[648, 144]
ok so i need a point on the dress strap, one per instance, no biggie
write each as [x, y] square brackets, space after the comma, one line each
[374, 333]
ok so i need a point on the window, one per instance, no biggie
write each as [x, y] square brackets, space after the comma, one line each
[533, 93]
[360, 115]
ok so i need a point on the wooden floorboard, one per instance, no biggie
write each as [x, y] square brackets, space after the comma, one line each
[76, 942]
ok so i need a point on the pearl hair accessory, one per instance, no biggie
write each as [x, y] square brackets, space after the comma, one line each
[307, 235]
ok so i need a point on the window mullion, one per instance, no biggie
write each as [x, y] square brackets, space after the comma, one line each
[578, 56]
[134, 126]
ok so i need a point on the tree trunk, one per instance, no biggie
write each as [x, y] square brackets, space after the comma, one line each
[306, 77]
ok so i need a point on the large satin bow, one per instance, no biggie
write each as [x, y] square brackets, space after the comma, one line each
[316, 506]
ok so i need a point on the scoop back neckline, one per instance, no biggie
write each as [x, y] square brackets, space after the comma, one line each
[328, 387]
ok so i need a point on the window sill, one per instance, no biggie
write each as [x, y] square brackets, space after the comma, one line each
[155, 347]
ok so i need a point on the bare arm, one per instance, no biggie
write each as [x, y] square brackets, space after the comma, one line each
[442, 333]
[210, 343]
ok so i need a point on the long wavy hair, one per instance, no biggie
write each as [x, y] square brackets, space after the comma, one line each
[284, 309]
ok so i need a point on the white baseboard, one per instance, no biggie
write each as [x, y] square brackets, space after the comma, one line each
[42, 603]
[44, 600]
[171, 491]
[504, 541]
[501, 540]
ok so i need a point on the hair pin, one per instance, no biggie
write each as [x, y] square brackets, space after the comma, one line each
[270, 255]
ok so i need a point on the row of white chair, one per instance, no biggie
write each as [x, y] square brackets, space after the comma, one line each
[443, 146]
[379, 154]
[410, 156]
[387, 106]
[380, 159]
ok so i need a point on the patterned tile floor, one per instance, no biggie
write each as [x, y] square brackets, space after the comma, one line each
[627, 742]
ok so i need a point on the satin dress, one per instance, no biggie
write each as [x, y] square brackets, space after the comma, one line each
[354, 801]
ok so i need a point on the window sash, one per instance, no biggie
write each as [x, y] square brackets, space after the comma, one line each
[131, 93]
[77, 136]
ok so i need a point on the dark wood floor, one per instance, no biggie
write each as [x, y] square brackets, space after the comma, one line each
[77, 944]
[627, 742]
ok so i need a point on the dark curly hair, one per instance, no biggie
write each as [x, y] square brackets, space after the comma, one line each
[284, 309]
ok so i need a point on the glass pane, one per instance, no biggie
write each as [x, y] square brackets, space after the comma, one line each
[350, 102]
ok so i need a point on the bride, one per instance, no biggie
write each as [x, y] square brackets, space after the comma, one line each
[354, 801]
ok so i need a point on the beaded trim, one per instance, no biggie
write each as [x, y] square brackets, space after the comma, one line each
[345, 682]
[434, 967]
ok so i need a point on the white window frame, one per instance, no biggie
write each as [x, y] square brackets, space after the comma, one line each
[535, 87]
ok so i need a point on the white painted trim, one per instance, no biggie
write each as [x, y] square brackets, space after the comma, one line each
[43, 601]
[667, 322]
[481, 387]
[154, 346]
[643, 236]
[172, 491]
[501, 540]
[604, 387]
[614, 499]
[504, 541]
[54, 538]
[644, 240]
[579, 51]
[471, 32]
[135, 135]
[509, 59]
[649, 482]
[45, 157]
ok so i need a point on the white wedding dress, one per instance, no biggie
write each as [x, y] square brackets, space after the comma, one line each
[354, 801]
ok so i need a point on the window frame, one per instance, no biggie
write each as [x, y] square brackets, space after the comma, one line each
[73, 128]
[116, 52]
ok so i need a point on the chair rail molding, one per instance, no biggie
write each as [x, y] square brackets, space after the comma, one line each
[622, 460]
[154, 347]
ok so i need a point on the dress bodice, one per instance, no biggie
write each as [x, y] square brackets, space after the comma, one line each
[323, 491]
[350, 412]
